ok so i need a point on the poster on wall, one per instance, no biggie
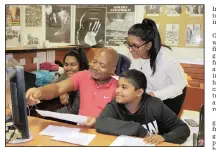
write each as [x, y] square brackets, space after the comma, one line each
[33, 16]
[153, 10]
[173, 10]
[12, 15]
[119, 19]
[90, 25]
[172, 34]
[193, 35]
[32, 39]
[58, 23]
[12, 36]
[195, 10]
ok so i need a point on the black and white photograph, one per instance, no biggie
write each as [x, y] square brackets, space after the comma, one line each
[153, 10]
[13, 36]
[193, 34]
[58, 23]
[172, 34]
[90, 25]
[12, 15]
[195, 10]
[173, 10]
[33, 16]
[119, 19]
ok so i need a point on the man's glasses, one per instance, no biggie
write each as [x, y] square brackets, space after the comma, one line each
[134, 47]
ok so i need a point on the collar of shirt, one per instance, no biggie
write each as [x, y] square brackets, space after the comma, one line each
[106, 85]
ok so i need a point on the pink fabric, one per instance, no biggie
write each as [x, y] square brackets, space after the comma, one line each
[49, 66]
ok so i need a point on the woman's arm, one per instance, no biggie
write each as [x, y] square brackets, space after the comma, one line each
[177, 76]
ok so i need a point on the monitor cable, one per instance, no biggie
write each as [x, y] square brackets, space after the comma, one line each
[11, 136]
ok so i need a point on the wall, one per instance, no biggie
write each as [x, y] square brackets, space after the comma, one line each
[185, 55]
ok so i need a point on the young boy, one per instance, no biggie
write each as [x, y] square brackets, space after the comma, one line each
[135, 113]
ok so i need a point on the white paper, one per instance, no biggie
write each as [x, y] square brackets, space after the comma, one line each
[35, 59]
[187, 114]
[59, 131]
[68, 117]
[22, 61]
[9, 54]
[124, 140]
[172, 34]
[41, 57]
[51, 56]
[76, 138]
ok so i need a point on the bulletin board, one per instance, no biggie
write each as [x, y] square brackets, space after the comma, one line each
[187, 21]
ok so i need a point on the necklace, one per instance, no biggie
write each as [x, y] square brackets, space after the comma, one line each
[141, 65]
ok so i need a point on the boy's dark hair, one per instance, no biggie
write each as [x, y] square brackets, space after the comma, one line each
[136, 78]
[80, 55]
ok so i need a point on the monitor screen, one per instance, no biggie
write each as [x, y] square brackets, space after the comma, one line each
[15, 75]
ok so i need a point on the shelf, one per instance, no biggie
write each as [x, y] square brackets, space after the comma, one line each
[20, 49]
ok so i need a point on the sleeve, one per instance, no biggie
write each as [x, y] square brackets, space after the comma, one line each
[177, 76]
[71, 109]
[76, 78]
[177, 130]
[108, 123]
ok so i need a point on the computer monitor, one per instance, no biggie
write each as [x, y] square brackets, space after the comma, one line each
[15, 75]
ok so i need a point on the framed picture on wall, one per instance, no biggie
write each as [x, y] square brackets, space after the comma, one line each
[90, 25]
[58, 23]
[119, 18]
[172, 34]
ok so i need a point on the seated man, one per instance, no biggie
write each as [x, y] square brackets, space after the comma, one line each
[135, 113]
[96, 85]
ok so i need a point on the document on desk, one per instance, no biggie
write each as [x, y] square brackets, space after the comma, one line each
[68, 117]
[76, 138]
[52, 130]
[124, 140]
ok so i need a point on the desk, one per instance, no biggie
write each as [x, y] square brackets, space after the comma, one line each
[188, 114]
[36, 125]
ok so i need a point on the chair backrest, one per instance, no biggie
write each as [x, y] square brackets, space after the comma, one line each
[123, 64]
[30, 80]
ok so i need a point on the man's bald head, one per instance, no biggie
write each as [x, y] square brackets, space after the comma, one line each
[111, 55]
[104, 64]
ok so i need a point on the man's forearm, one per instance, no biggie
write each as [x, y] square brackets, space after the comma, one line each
[49, 92]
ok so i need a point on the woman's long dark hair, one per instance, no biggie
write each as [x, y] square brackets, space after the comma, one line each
[148, 32]
[80, 55]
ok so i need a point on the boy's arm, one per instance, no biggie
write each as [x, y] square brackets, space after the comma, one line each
[178, 131]
[109, 123]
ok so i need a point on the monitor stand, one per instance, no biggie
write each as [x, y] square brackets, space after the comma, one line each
[13, 134]
[16, 141]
